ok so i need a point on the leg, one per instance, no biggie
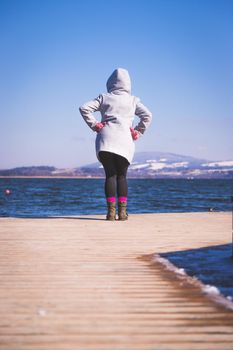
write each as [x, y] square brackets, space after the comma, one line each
[122, 167]
[122, 187]
[107, 161]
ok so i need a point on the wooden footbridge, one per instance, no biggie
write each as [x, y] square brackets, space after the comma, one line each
[89, 284]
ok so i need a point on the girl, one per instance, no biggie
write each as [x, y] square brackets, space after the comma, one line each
[115, 136]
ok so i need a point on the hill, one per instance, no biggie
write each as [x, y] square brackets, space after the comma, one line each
[145, 165]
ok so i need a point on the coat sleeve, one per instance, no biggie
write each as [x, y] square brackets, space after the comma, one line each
[87, 110]
[145, 117]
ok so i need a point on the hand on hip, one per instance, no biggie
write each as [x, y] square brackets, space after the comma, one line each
[134, 133]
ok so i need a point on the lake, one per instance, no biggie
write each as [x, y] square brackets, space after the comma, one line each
[45, 197]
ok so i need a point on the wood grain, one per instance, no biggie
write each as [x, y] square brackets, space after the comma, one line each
[81, 283]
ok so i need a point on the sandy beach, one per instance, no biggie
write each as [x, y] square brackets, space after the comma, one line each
[85, 283]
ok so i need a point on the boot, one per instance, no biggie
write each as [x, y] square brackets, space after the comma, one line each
[122, 214]
[111, 215]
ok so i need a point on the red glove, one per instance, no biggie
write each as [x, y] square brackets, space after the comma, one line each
[99, 126]
[134, 133]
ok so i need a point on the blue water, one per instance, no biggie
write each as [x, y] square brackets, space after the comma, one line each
[67, 197]
[212, 265]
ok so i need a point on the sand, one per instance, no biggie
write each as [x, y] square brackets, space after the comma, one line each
[85, 283]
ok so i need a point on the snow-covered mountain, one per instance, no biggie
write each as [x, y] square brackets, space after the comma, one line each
[161, 164]
[145, 165]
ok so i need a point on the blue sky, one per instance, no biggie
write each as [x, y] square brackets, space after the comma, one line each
[57, 54]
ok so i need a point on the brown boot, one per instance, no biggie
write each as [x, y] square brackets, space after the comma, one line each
[111, 215]
[122, 214]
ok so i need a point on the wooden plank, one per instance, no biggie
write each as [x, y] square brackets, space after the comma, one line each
[83, 283]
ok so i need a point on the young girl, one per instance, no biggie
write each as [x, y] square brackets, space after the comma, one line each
[115, 136]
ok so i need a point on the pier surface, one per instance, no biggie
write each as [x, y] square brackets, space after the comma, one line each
[84, 284]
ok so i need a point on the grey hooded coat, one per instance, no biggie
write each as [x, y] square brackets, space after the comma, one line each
[118, 109]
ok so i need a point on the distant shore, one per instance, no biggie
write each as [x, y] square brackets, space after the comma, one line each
[103, 177]
[50, 177]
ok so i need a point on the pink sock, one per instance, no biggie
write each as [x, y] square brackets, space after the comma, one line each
[111, 199]
[122, 199]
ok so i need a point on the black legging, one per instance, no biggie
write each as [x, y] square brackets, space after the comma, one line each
[115, 168]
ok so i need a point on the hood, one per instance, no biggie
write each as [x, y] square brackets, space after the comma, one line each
[119, 81]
